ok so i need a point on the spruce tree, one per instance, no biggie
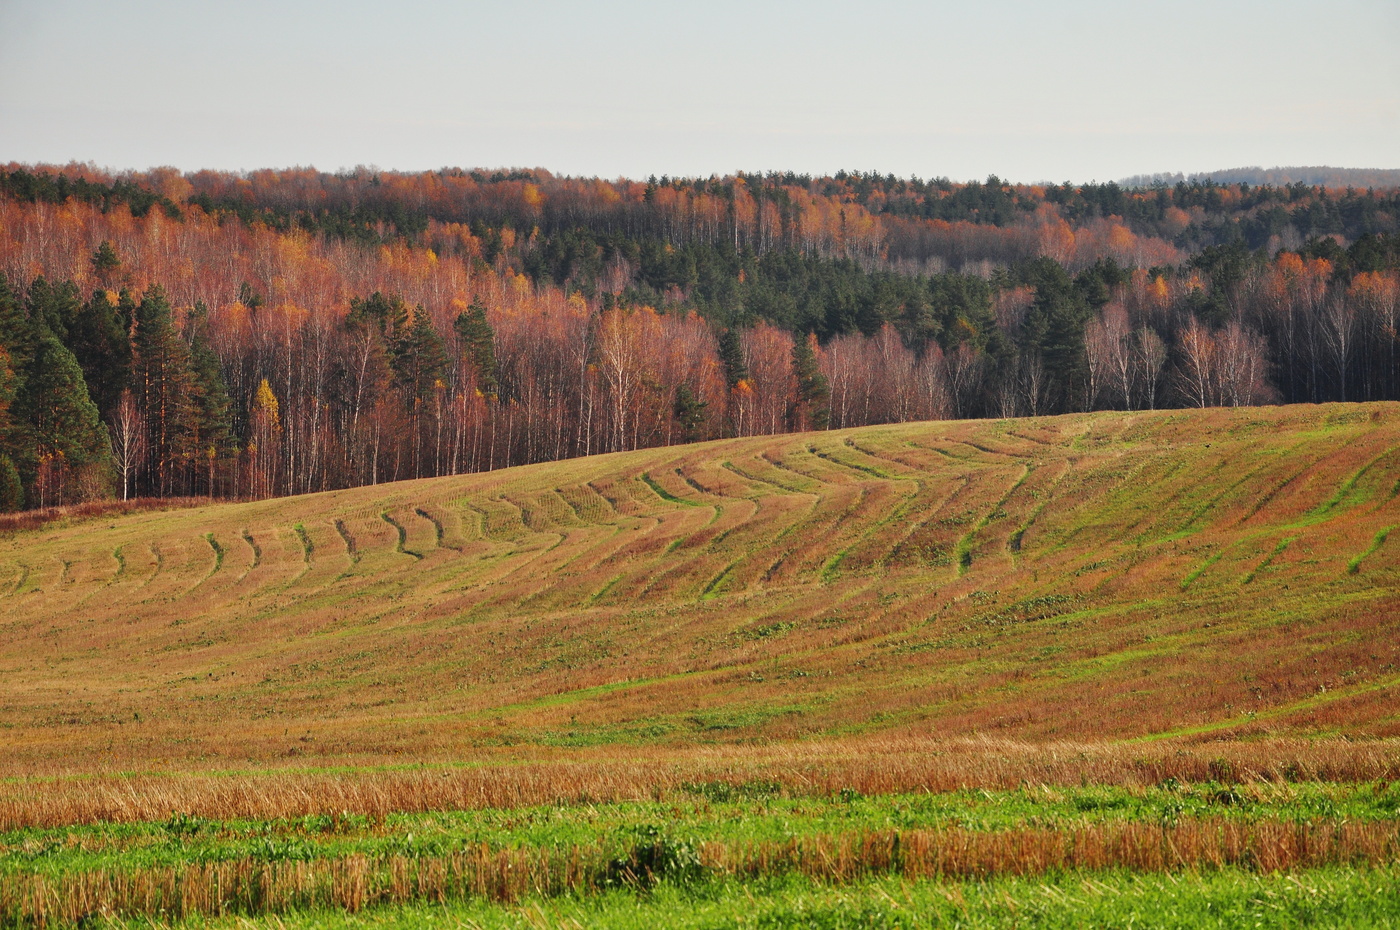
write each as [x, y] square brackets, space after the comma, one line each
[105, 261]
[689, 412]
[11, 487]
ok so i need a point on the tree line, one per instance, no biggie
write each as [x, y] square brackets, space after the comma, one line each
[164, 352]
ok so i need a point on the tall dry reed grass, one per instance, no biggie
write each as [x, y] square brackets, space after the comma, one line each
[872, 767]
[252, 887]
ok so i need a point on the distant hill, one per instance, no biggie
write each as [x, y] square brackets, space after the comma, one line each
[1321, 175]
[1098, 575]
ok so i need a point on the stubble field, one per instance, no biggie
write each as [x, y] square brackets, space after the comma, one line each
[920, 659]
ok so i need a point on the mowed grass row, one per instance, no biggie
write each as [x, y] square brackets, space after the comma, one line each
[1144, 575]
[186, 867]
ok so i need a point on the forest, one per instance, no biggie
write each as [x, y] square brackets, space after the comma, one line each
[279, 332]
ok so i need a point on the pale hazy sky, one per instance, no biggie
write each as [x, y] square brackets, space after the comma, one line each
[1071, 90]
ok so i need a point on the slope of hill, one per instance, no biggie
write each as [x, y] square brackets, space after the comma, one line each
[1123, 575]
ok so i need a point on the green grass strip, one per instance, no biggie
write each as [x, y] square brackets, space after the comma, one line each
[1354, 565]
[1278, 550]
[1200, 570]
[666, 495]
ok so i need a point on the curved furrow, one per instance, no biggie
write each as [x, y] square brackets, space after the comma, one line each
[758, 470]
[692, 558]
[1055, 472]
[352, 547]
[874, 532]
[446, 535]
[591, 508]
[623, 495]
[893, 542]
[811, 538]
[182, 559]
[920, 460]
[401, 545]
[544, 511]
[501, 519]
[216, 566]
[746, 550]
[888, 466]
[627, 553]
[839, 454]
[969, 546]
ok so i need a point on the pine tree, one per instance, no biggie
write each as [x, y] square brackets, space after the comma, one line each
[53, 307]
[420, 359]
[731, 355]
[16, 333]
[164, 387]
[212, 411]
[689, 412]
[67, 454]
[98, 338]
[813, 392]
[420, 365]
[478, 344]
[11, 487]
[105, 261]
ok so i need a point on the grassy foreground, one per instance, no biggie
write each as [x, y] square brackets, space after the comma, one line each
[705, 841]
[1115, 669]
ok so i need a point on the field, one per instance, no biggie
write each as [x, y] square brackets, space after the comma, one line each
[1034, 667]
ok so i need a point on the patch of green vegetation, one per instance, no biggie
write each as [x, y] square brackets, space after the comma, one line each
[218, 551]
[666, 495]
[401, 545]
[1278, 551]
[1354, 565]
[1200, 570]
[718, 583]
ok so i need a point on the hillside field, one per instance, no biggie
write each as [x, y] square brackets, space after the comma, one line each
[1172, 637]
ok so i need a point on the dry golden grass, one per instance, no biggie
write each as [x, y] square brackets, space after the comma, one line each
[351, 883]
[878, 766]
[1160, 576]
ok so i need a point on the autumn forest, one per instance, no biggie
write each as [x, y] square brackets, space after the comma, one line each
[280, 332]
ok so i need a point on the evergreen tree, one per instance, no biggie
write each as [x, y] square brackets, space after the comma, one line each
[386, 315]
[67, 440]
[53, 307]
[731, 355]
[16, 333]
[105, 261]
[98, 339]
[164, 387]
[813, 392]
[11, 487]
[212, 411]
[420, 359]
[478, 344]
[689, 411]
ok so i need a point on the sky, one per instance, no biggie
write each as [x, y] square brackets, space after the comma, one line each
[1029, 90]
